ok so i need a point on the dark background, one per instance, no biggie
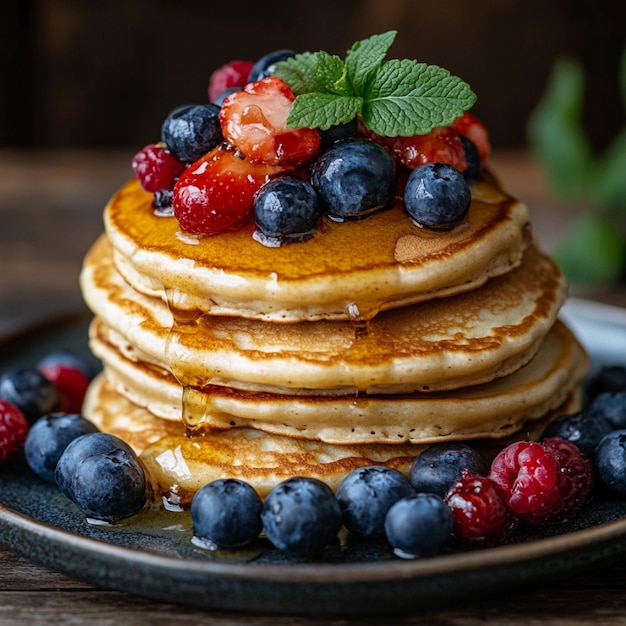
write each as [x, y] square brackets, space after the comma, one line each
[76, 73]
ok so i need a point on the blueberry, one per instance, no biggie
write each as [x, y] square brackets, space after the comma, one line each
[48, 438]
[472, 157]
[286, 209]
[612, 406]
[440, 466]
[191, 131]
[584, 429]
[220, 99]
[66, 359]
[354, 177]
[610, 378]
[418, 526]
[30, 391]
[339, 132]
[266, 65]
[301, 516]
[227, 512]
[610, 461]
[437, 196]
[102, 476]
[365, 496]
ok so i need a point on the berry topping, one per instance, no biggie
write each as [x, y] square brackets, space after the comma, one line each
[254, 121]
[354, 178]
[301, 516]
[156, 168]
[471, 127]
[70, 379]
[437, 196]
[13, 431]
[584, 429]
[441, 465]
[611, 406]
[478, 509]
[30, 391]
[266, 65]
[216, 193]
[102, 476]
[189, 132]
[338, 132]
[610, 378]
[418, 526]
[365, 496]
[227, 513]
[233, 75]
[48, 438]
[474, 164]
[440, 145]
[610, 461]
[542, 481]
[286, 209]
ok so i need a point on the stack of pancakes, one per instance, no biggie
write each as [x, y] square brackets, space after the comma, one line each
[372, 340]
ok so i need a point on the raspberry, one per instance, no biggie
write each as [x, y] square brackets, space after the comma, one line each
[156, 168]
[479, 509]
[216, 194]
[254, 120]
[440, 145]
[233, 74]
[70, 382]
[542, 481]
[13, 431]
[471, 127]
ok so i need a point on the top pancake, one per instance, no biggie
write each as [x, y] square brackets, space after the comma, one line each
[348, 270]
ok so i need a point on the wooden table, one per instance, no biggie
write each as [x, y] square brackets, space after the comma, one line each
[50, 211]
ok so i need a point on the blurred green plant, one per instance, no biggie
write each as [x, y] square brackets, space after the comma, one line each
[593, 249]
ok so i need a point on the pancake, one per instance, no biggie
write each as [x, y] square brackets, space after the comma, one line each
[442, 344]
[346, 271]
[178, 466]
[493, 410]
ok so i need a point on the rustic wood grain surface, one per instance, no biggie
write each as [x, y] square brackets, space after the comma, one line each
[50, 212]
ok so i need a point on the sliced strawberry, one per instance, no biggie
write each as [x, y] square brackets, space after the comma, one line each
[254, 121]
[216, 193]
[472, 128]
[233, 74]
[440, 145]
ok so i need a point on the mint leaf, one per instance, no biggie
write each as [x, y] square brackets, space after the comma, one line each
[331, 71]
[302, 73]
[319, 110]
[366, 55]
[408, 98]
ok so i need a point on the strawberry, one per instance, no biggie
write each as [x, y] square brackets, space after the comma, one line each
[440, 145]
[13, 430]
[254, 121]
[216, 193]
[233, 74]
[471, 127]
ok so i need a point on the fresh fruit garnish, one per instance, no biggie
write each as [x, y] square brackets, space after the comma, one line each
[266, 65]
[366, 494]
[612, 406]
[437, 196]
[70, 376]
[301, 515]
[585, 429]
[226, 513]
[610, 462]
[385, 94]
[479, 509]
[30, 391]
[354, 178]
[231, 75]
[542, 481]
[418, 526]
[286, 209]
[48, 438]
[471, 127]
[191, 131]
[216, 194]
[441, 465]
[254, 121]
[102, 476]
[13, 430]
[156, 168]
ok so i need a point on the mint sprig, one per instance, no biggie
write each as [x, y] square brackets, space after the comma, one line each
[393, 98]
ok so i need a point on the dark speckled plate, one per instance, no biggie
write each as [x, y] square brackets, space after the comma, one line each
[153, 555]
